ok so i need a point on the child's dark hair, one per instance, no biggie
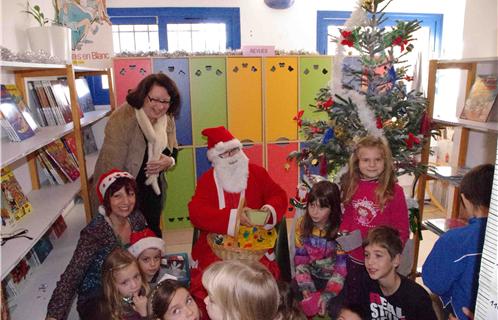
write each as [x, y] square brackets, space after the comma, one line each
[386, 237]
[326, 194]
[288, 308]
[130, 186]
[477, 184]
[355, 308]
[161, 297]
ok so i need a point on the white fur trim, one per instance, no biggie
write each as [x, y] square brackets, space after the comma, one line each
[231, 222]
[219, 191]
[102, 210]
[270, 226]
[157, 141]
[270, 256]
[147, 243]
[221, 147]
[109, 180]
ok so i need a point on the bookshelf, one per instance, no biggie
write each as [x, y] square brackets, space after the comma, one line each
[450, 117]
[49, 201]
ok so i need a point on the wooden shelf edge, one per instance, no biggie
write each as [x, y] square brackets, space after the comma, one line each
[473, 125]
[13, 151]
[42, 216]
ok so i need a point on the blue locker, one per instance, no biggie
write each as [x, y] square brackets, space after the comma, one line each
[177, 69]
[202, 164]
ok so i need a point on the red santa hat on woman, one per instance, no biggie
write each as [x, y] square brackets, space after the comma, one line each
[145, 239]
[220, 140]
[106, 180]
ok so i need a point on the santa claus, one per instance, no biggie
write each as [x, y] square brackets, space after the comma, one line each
[213, 207]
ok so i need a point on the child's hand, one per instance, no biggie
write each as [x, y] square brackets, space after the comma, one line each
[244, 219]
[140, 304]
[306, 294]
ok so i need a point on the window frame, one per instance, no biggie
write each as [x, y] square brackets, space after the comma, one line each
[163, 16]
[324, 19]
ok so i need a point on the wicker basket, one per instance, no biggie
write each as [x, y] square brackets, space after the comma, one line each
[234, 253]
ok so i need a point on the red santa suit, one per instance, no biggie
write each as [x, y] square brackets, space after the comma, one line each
[213, 209]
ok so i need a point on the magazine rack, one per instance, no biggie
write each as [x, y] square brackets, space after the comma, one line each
[462, 139]
[48, 201]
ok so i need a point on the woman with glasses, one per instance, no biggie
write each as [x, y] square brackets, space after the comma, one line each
[140, 137]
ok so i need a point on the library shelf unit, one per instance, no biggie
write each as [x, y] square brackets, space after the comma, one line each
[49, 201]
[453, 120]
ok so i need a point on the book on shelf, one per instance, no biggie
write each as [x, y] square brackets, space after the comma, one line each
[14, 118]
[16, 201]
[59, 227]
[28, 113]
[61, 101]
[449, 173]
[65, 86]
[89, 143]
[35, 104]
[48, 169]
[482, 99]
[84, 95]
[442, 225]
[61, 157]
[59, 118]
[44, 103]
[70, 141]
[43, 248]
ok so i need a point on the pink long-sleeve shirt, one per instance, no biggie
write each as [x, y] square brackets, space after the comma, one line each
[363, 213]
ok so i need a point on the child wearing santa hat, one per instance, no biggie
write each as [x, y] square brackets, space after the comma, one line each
[149, 251]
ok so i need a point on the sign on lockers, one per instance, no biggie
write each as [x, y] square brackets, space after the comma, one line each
[91, 31]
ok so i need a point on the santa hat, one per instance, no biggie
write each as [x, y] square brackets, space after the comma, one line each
[220, 140]
[109, 178]
[145, 239]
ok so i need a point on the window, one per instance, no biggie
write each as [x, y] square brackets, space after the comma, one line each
[427, 43]
[193, 37]
[172, 29]
[135, 37]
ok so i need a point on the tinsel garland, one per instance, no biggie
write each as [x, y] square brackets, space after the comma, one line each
[183, 53]
[39, 56]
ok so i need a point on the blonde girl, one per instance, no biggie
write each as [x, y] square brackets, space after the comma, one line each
[371, 197]
[320, 263]
[170, 300]
[240, 290]
[125, 287]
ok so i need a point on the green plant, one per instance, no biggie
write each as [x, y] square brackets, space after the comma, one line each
[35, 11]
[39, 16]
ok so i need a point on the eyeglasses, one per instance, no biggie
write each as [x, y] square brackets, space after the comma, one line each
[229, 153]
[158, 100]
[20, 233]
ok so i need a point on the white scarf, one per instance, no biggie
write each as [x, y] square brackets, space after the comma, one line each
[157, 141]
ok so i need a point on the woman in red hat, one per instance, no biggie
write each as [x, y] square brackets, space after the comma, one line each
[112, 227]
[140, 137]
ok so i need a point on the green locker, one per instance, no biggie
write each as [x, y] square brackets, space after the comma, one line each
[208, 95]
[181, 186]
[314, 73]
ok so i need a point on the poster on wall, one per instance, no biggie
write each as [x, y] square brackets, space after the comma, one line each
[91, 31]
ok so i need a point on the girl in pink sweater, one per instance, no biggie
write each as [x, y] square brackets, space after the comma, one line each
[371, 197]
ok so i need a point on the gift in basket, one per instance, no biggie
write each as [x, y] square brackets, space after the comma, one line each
[249, 243]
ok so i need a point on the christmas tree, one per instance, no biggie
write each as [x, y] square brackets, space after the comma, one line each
[367, 96]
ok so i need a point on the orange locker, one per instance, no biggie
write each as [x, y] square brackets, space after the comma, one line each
[244, 94]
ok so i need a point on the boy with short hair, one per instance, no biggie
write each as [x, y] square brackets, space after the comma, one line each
[386, 294]
[451, 269]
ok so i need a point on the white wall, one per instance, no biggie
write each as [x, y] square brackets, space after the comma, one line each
[288, 29]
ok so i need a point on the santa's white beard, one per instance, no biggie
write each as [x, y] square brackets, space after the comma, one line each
[232, 172]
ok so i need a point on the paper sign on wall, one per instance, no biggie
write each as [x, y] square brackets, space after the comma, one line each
[258, 50]
[91, 31]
